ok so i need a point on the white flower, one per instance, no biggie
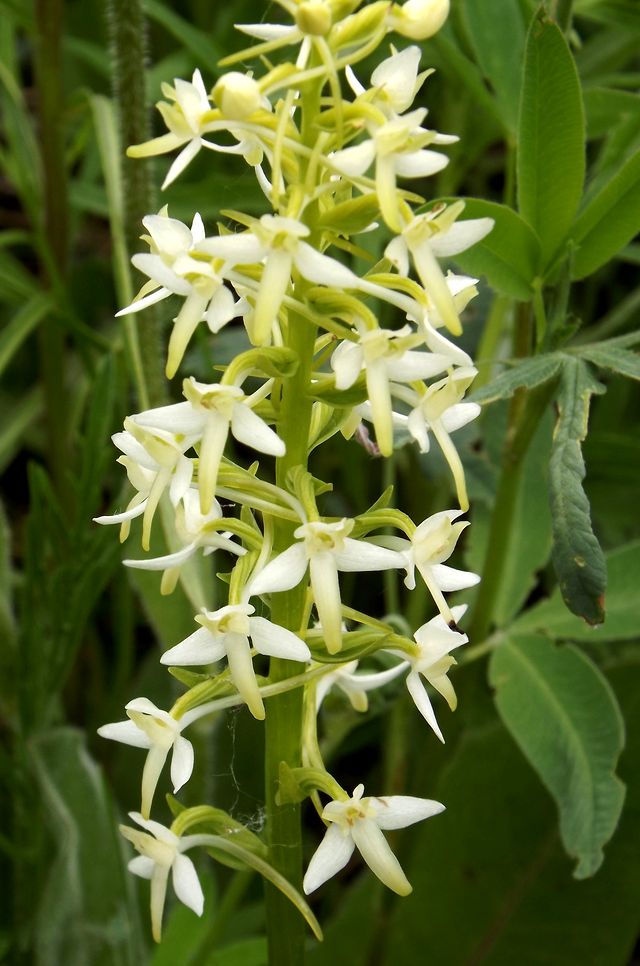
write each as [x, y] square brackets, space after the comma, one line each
[155, 461]
[278, 242]
[434, 640]
[238, 96]
[175, 265]
[150, 727]
[161, 853]
[418, 19]
[226, 632]
[185, 114]
[326, 549]
[359, 822]
[196, 531]
[385, 355]
[437, 234]
[439, 410]
[397, 147]
[355, 686]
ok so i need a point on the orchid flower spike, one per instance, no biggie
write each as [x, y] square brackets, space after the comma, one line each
[356, 686]
[229, 632]
[161, 853]
[326, 549]
[359, 822]
[150, 727]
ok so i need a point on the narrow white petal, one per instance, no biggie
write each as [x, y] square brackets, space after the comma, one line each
[461, 235]
[222, 309]
[459, 415]
[164, 563]
[159, 881]
[250, 429]
[199, 648]
[184, 326]
[180, 163]
[413, 365]
[282, 573]
[241, 249]
[181, 480]
[214, 440]
[326, 594]
[186, 884]
[145, 706]
[139, 304]
[130, 514]
[422, 702]
[126, 732]
[360, 556]
[275, 641]
[197, 225]
[171, 237]
[380, 401]
[155, 268]
[151, 772]
[242, 673]
[398, 254]
[398, 811]
[322, 269]
[376, 852]
[330, 857]
[142, 865]
[181, 762]
[354, 161]
[269, 31]
[449, 579]
[420, 164]
[346, 362]
[276, 276]
[370, 682]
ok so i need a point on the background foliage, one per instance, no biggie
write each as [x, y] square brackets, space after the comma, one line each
[547, 109]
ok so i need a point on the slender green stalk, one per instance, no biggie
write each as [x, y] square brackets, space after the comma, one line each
[492, 333]
[127, 31]
[48, 68]
[562, 13]
[285, 927]
[525, 414]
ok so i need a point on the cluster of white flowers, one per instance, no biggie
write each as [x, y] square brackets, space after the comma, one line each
[328, 170]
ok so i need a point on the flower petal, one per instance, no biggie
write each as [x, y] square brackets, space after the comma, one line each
[139, 304]
[126, 732]
[155, 268]
[199, 648]
[376, 852]
[359, 556]
[276, 641]
[422, 702]
[399, 811]
[187, 155]
[142, 865]
[282, 573]
[449, 579]
[242, 673]
[460, 236]
[330, 857]
[166, 562]
[326, 595]
[322, 269]
[186, 884]
[181, 762]
[250, 429]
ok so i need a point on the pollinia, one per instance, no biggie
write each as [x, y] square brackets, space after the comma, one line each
[318, 362]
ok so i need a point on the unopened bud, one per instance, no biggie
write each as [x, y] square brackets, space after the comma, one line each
[419, 19]
[237, 95]
[314, 17]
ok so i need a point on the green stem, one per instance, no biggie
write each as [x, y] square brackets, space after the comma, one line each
[525, 414]
[562, 14]
[285, 927]
[127, 33]
[492, 333]
[48, 68]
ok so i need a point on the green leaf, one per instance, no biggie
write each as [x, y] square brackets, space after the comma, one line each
[551, 157]
[508, 256]
[86, 914]
[21, 326]
[468, 75]
[609, 220]
[495, 854]
[497, 34]
[577, 557]
[527, 374]
[566, 720]
[612, 357]
[623, 605]
[244, 952]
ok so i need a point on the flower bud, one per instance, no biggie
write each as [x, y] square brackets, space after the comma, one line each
[314, 17]
[237, 95]
[419, 19]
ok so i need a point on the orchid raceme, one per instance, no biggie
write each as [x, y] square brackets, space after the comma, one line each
[323, 356]
[358, 822]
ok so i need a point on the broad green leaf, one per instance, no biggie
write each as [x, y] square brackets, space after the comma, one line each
[566, 721]
[508, 256]
[86, 914]
[524, 375]
[495, 854]
[577, 557]
[623, 606]
[244, 952]
[21, 326]
[608, 221]
[497, 34]
[551, 154]
[612, 357]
